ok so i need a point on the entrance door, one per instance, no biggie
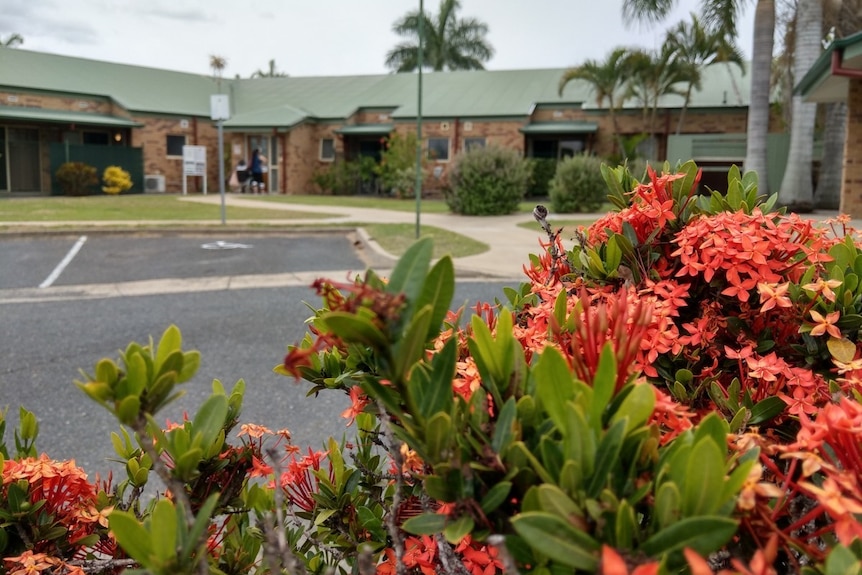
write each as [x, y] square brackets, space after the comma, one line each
[23, 146]
[4, 160]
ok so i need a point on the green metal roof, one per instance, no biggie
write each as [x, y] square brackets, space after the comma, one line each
[64, 117]
[819, 84]
[365, 130]
[560, 128]
[264, 103]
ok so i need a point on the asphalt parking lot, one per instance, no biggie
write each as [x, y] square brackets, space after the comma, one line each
[81, 259]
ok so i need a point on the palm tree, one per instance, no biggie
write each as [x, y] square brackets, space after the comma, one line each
[12, 41]
[448, 42]
[697, 46]
[271, 73]
[723, 15]
[607, 79]
[218, 64]
[797, 189]
[652, 76]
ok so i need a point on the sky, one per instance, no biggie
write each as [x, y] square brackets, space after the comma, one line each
[321, 37]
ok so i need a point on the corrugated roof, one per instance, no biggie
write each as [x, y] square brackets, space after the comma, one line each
[365, 130]
[134, 87]
[560, 128]
[286, 101]
[819, 84]
[65, 117]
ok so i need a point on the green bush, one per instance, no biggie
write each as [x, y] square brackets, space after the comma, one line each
[397, 167]
[487, 181]
[542, 174]
[578, 185]
[76, 178]
[344, 178]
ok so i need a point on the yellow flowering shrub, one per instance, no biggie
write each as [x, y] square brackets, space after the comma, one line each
[116, 180]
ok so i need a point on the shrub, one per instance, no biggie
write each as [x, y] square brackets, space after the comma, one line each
[578, 185]
[116, 180]
[397, 167]
[487, 181]
[76, 178]
[679, 392]
[543, 170]
[344, 178]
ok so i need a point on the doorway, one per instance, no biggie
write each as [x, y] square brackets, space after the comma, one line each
[22, 148]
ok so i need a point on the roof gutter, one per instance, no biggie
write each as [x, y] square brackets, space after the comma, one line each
[837, 67]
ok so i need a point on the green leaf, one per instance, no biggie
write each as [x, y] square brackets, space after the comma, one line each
[603, 385]
[504, 426]
[704, 478]
[553, 500]
[131, 535]
[702, 534]
[437, 291]
[608, 452]
[438, 434]
[842, 561]
[191, 363]
[354, 329]
[667, 504]
[554, 385]
[163, 536]
[625, 527]
[637, 407]
[437, 394]
[210, 419]
[411, 348]
[128, 409]
[557, 540]
[496, 496]
[202, 520]
[455, 531]
[425, 524]
[766, 409]
[409, 273]
[171, 341]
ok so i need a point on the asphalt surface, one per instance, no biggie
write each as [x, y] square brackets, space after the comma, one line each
[239, 307]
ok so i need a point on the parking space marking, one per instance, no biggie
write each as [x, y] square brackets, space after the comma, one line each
[65, 262]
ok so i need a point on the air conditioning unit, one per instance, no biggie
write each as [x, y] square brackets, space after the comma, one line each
[154, 183]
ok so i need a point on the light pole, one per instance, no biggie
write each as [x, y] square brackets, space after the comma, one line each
[418, 187]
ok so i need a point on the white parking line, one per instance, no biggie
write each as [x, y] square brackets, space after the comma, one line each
[62, 265]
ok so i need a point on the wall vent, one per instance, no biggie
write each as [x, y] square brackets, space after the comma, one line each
[444, 126]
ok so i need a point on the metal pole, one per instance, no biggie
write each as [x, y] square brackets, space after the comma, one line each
[418, 187]
[221, 169]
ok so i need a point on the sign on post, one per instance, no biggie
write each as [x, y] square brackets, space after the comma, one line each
[194, 164]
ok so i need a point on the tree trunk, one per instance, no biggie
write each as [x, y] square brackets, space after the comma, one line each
[685, 104]
[797, 187]
[758, 106]
[828, 192]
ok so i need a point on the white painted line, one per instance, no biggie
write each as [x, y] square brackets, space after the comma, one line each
[62, 265]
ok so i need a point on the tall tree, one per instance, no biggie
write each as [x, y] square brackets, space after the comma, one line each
[724, 15]
[607, 79]
[448, 43]
[272, 72]
[696, 46]
[797, 188]
[12, 41]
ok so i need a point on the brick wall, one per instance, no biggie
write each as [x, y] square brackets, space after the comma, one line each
[69, 104]
[851, 185]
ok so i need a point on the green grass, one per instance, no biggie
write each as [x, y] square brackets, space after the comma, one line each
[396, 238]
[130, 208]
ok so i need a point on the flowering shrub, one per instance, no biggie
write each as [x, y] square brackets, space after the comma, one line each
[676, 392]
[76, 178]
[116, 180]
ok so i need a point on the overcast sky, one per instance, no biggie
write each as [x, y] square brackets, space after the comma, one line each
[319, 37]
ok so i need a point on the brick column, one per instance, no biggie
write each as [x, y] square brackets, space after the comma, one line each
[851, 185]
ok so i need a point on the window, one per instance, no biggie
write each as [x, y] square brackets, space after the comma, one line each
[473, 143]
[438, 149]
[175, 145]
[95, 138]
[327, 149]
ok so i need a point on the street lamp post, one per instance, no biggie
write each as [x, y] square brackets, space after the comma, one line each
[418, 187]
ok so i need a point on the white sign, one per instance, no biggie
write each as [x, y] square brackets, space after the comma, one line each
[219, 107]
[194, 160]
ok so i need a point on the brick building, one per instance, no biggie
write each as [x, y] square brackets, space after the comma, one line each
[53, 107]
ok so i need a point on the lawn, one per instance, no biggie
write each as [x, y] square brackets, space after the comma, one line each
[396, 238]
[130, 208]
[569, 225]
[378, 202]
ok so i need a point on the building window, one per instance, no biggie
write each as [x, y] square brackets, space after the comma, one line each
[95, 138]
[175, 145]
[327, 149]
[473, 143]
[438, 149]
